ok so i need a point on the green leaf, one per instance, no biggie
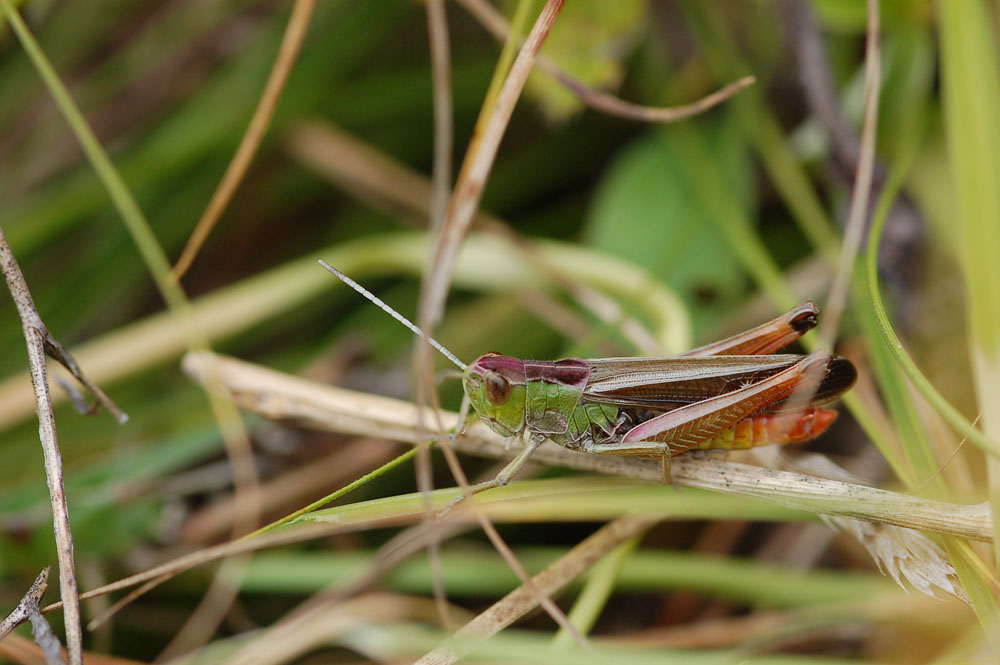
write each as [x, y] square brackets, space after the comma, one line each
[644, 211]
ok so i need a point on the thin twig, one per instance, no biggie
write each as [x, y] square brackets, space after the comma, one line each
[35, 335]
[496, 25]
[59, 353]
[612, 105]
[519, 602]
[437, 29]
[27, 610]
[464, 203]
[32, 597]
[50, 345]
[291, 43]
[837, 298]
[476, 168]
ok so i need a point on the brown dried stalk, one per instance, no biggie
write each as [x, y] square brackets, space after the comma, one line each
[38, 339]
[520, 601]
[493, 120]
[496, 25]
[295, 33]
[854, 230]
[476, 168]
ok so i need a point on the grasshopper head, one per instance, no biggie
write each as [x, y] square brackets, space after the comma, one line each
[496, 388]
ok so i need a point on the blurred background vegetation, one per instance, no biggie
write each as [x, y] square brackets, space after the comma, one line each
[738, 211]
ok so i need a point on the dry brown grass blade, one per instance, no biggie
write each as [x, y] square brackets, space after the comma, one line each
[519, 602]
[497, 26]
[476, 167]
[854, 230]
[291, 43]
[437, 33]
[437, 29]
[836, 299]
[479, 159]
[284, 397]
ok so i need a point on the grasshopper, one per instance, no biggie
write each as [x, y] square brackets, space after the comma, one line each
[723, 396]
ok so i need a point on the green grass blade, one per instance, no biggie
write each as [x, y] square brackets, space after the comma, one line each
[971, 84]
[951, 415]
[597, 590]
[135, 221]
[478, 572]
[980, 595]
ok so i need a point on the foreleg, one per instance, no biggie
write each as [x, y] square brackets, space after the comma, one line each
[505, 476]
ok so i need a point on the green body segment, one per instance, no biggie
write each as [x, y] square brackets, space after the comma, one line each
[551, 407]
[590, 421]
[557, 411]
[544, 398]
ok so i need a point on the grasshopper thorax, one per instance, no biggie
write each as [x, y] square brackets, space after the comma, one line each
[495, 385]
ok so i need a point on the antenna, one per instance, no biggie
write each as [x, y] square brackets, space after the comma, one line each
[393, 313]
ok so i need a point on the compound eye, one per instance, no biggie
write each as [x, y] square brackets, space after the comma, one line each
[497, 388]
